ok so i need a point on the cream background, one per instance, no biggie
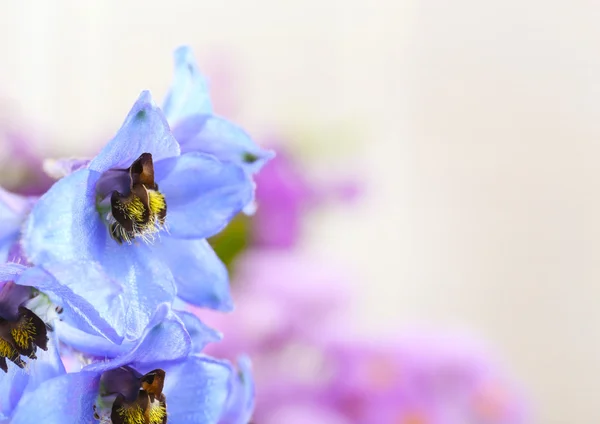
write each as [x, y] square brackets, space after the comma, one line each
[477, 123]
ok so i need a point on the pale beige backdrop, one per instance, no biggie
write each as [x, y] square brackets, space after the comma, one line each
[477, 124]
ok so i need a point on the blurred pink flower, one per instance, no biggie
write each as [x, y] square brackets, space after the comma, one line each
[22, 170]
[291, 320]
[284, 195]
[277, 290]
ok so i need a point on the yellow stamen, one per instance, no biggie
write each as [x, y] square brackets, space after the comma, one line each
[135, 209]
[156, 201]
[23, 333]
[6, 349]
[157, 412]
[132, 414]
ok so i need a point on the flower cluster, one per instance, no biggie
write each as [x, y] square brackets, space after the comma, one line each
[99, 269]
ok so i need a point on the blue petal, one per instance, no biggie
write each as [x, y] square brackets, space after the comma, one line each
[196, 390]
[189, 94]
[221, 138]
[10, 271]
[145, 130]
[165, 339]
[240, 402]
[65, 227]
[13, 209]
[88, 343]
[200, 276]
[91, 300]
[146, 280]
[202, 193]
[68, 398]
[12, 386]
[200, 333]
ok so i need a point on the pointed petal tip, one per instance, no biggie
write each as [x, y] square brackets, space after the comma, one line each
[226, 305]
[255, 161]
[244, 362]
[223, 301]
[189, 94]
[145, 129]
[183, 54]
[269, 154]
[144, 103]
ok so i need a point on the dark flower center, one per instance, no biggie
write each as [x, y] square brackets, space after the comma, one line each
[21, 336]
[139, 209]
[139, 398]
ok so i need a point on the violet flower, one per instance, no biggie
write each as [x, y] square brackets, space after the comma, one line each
[309, 367]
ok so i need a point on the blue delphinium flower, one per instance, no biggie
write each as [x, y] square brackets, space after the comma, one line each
[33, 301]
[22, 331]
[97, 309]
[137, 215]
[105, 254]
[160, 378]
[189, 111]
[26, 340]
[30, 301]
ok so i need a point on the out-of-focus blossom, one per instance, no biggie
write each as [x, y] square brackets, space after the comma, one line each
[287, 297]
[21, 166]
[424, 378]
[292, 322]
[283, 196]
[135, 189]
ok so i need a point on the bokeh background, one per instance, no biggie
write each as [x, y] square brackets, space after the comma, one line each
[472, 126]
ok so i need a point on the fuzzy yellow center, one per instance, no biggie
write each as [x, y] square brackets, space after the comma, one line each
[135, 209]
[6, 350]
[156, 202]
[132, 414]
[156, 413]
[23, 333]
[135, 414]
[142, 211]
